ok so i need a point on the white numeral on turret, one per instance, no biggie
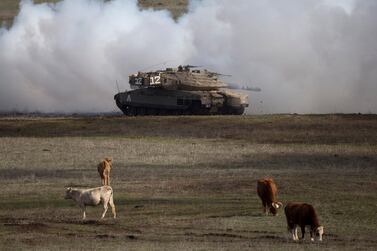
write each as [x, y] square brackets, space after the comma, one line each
[138, 81]
[156, 80]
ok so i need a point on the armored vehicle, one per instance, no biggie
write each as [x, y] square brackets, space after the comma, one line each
[180, 91]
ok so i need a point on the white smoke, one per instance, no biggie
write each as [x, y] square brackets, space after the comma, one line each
[308, 56]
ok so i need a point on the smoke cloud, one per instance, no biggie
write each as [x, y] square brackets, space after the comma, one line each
[307, 56]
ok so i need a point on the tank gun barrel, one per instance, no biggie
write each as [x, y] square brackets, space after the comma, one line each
[252, 89]
[218, 74]
[244, 87]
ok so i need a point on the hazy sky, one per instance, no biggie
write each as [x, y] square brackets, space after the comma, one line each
[308, 56]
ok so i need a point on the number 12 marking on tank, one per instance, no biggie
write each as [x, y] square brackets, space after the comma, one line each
[155, 80]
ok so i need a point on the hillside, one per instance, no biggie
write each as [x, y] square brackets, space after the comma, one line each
[10, 8]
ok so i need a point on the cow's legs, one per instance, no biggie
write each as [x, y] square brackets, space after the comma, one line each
[291, 229]
[292, 232]
[83, 212]
[105, 206]
[311, 235]
[111, 202]
[265, 207]
[295, 233]
[302, 232]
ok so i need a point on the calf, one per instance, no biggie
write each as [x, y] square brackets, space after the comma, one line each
[301, 215]
[267, 191]
[104, 168]
[92, 197]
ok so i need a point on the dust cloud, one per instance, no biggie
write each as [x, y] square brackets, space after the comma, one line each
[307, 56]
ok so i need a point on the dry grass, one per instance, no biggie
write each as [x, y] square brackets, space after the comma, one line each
[279, 129]
[180, 185]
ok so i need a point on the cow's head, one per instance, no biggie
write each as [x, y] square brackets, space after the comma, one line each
[68, 193]
[319, 232]
[274, 207]
[108, 160]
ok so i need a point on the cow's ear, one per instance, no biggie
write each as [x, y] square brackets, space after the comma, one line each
[69, 189]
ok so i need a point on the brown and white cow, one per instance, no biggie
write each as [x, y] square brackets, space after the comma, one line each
[92, 197]
[267, 191]
[301, 215]
[104, 169]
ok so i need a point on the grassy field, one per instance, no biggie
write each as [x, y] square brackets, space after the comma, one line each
[187, 183]
[9, 8]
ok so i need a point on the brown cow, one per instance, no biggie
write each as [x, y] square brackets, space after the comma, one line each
[104, 168]
[301, 215]
[267, 191]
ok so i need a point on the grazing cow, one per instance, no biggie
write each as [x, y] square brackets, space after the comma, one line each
[301, 215]
[92, 197]
[267, 191]
[104, 168]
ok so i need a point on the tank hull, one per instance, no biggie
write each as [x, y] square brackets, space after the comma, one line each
[157, 101]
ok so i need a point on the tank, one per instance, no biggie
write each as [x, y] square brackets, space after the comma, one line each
[185, 90]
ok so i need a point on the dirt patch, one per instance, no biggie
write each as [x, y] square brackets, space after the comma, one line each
[86, 222]
[216, 235]
[105, 236]
[271, 237]
[24, 225]
[131, 237]
[17, 173]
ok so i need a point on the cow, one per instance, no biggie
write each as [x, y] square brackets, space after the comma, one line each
[267, 191]
[301, 215]
[104, 169]
[92, 197]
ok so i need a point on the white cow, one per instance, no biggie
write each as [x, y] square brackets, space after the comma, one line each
[92, 197]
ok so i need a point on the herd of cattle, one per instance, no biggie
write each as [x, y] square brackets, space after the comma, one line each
[297, 214]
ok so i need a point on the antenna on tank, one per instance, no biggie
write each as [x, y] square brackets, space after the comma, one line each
[116, 81]
[154, 65]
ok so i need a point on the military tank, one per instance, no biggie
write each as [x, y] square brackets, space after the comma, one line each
[185, 90]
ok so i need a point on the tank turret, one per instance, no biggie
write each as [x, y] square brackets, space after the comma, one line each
[182, 90]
